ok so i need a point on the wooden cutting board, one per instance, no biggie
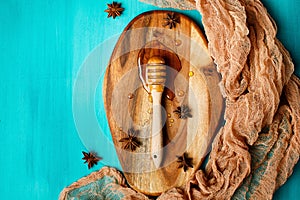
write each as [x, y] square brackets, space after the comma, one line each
[194, 85]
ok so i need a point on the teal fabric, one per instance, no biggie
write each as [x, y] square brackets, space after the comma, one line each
[271, 141]
[98, 190]
[43, 47]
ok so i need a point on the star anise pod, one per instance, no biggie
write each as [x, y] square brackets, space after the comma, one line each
[90, 158]
[185, 162]
[114, 9]
[183, 112]
[131, 142]
[171, 20]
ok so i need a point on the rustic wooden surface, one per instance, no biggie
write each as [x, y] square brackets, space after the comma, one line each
[43, 45]
[184, 45]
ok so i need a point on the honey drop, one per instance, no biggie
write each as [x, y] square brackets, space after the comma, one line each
[130, 96]
[150, 99]
[180, 93]
[178, 42]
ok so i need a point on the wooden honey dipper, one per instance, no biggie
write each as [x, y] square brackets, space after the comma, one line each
[155, 80]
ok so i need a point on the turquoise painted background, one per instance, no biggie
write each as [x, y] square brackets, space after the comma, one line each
[43, 47]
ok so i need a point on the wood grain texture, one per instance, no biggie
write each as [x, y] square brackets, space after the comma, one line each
[197, 81]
